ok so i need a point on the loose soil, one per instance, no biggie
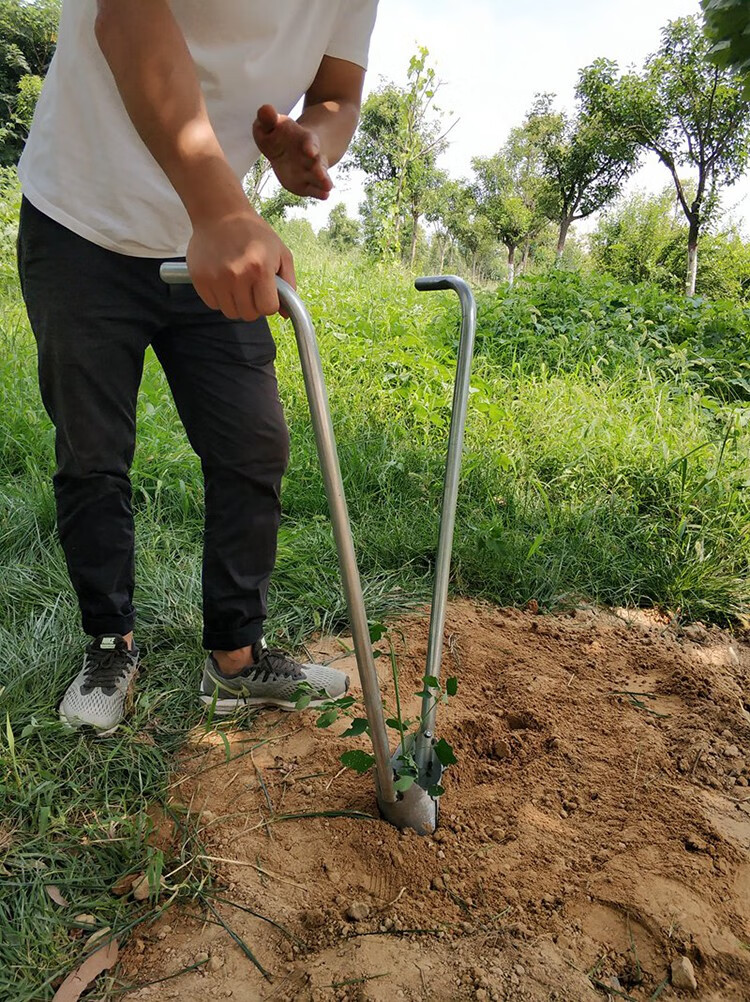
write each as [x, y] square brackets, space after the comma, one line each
[595, 829]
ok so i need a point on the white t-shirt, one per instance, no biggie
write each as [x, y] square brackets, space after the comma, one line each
[86, 166]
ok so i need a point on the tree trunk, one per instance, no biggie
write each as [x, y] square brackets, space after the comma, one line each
[414, 228]
[511, 263]
[443, 249]
[525, 257]
[564, 227]
[692, 269]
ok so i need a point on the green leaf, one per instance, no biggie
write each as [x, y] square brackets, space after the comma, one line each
[327, 718]
[403, 783]
[444, 753]
[451, 686]
[303, 701]
[431, 682]
[436, 790]
[377, 630]
[358, 760]
[358, 726]
[393, 723]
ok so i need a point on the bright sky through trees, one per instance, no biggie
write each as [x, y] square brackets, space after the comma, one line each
[495, 55]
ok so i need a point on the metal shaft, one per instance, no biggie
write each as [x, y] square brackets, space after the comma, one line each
[312, 370]
[450, 497]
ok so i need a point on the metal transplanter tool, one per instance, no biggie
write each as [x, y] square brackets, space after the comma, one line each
[415, 808]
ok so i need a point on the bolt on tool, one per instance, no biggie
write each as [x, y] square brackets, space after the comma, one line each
[414, 808]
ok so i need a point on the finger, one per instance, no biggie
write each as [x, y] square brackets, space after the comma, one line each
[244, 301]
[207, 296]
[267, 117]
[311, 146]
[314, 190]
[286, 270]
[321, 177]
[227, 304]
[265, 296]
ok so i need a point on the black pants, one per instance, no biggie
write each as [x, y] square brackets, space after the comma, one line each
[93, 313]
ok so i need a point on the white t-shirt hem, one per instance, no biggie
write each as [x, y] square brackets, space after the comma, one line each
[82, 230]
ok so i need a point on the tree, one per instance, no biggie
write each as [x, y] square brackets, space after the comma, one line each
[342, 231]
[635, 239]
[691, 113]
[642, 239]
[397, 145]
[461, 227]
[28, 35]
[512, 193]
[727, 25]
[500, 203]
[585, 160]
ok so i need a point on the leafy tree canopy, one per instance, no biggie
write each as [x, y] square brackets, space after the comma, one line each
[28, 35]
[728, 28]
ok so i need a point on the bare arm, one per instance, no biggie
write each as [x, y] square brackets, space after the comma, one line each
[233, 255]
[301, 152]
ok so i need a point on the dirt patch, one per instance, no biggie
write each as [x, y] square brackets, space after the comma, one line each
[596, 828]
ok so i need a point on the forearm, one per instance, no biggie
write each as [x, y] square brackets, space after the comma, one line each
[155, 75]
[334, 123]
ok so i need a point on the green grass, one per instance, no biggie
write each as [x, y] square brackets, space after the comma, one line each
[607, 459]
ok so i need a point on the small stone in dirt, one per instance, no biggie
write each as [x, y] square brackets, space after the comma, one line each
[481, 993]
[695, 631]
[200, 958]
[215, 962]
[140, 887]
[501, 749]
[358, 911]
[731, 751]
[85, 920]
[683, 975]
[437, 884]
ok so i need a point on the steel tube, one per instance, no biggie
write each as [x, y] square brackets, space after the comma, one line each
[450, 498]
[317, 396]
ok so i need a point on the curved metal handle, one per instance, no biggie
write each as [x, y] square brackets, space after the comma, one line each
[431, 282]
[450, 498]
[176, 273]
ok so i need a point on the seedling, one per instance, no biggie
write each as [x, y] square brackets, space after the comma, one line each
[405, 769]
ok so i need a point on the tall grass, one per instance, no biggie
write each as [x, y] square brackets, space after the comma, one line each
[606, 458]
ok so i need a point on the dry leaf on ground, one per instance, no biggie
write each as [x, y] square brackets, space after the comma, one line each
[54, 893]
[76, 983]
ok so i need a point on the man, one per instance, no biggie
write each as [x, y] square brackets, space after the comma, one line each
[141, 137]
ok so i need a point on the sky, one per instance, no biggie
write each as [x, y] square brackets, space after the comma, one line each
[493, 56]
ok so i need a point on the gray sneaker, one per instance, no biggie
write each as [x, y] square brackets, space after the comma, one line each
[97, 695]
[273, 679]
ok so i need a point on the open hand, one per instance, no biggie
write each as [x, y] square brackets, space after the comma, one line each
[294, 153]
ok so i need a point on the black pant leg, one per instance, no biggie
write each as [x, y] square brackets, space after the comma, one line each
[222, 377]
[92, 317]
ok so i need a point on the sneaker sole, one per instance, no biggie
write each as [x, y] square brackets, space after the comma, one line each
[223, 707]
[85, 725]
